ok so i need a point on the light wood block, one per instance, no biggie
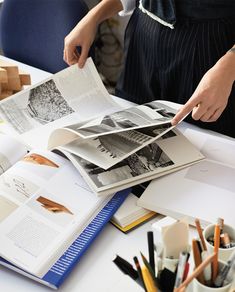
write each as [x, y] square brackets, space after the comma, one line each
[5, 94]
[3, 75]
[25, 78]
[11, 79]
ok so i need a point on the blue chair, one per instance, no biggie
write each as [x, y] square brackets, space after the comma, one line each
[33, 31]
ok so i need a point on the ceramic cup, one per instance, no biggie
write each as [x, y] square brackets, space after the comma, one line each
[224, 253]
[199, 287]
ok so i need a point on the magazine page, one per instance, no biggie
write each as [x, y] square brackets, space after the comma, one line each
[107, 150]
[169, 153]
[44, 205]
[141, 116]
[74, 92]
[11, 150]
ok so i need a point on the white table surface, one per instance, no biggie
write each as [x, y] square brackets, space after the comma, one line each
[95, 271]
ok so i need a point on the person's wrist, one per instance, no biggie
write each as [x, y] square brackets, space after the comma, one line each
[227, 65]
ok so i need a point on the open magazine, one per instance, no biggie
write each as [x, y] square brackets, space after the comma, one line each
[113, 148]
[44, 205]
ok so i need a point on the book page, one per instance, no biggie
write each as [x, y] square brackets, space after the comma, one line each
[193, 191]
[74, 92]
[169, 153]
[106, 151]
[44, 204]
[11, 150]
[141, 116]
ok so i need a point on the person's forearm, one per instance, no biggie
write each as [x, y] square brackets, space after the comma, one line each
[105, 9]
[227, 64]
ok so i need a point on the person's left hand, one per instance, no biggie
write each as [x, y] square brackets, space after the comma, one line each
[210, 97]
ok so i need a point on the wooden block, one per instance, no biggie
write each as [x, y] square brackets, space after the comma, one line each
[25, 78]
[12, 69]
[3, 75]
[13, 84]
[5, 94]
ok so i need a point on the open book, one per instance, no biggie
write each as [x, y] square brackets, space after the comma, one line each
[44, 206]
[112, 148]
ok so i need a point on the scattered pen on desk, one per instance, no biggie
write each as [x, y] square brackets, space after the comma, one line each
[151, 250]
[137, 264]
[215, 265]
[199, 230]
[197, 259]
[195, 273]
[126, 267]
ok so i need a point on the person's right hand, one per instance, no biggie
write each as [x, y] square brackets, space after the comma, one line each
[82, 35]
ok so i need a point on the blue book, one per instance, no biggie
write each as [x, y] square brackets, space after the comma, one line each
[64, 265]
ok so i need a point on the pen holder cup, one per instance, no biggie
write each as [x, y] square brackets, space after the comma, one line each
[224, 253]
[199, 287]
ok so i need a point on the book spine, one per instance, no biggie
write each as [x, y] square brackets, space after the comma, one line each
[62, 268]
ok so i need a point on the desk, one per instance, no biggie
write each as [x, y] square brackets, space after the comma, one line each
[95, 271]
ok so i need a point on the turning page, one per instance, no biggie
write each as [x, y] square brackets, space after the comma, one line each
[107, 140]
[170, 152]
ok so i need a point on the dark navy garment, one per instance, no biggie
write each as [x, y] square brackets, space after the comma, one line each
[164, 9]
[164, 63]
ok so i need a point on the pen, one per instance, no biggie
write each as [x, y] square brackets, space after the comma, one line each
[181, 268]
[151, 250]
[199, 230]
[197, 259]
[195, 273]
[216, 250]
[137, 264]
[126, 267]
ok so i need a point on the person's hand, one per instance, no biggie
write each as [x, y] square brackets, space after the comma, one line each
[210, 97]
[82, 35]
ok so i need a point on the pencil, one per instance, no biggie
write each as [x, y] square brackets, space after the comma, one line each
[151, 250]
[197, 259]
[148, 266]
[148, 280]
[137, 264]
[199, 230]
[195, 273]
[216, 250]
